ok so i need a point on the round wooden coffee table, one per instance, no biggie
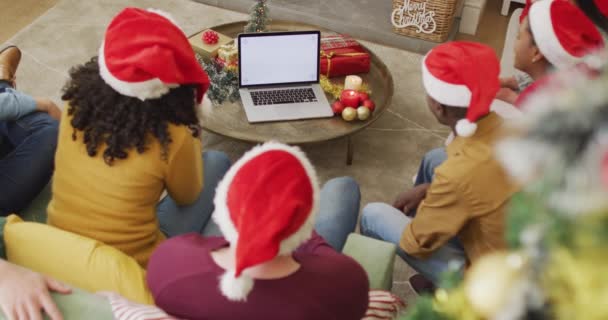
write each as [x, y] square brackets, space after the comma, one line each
[229, 119]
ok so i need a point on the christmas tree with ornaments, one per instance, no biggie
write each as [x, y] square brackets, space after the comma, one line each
[258, 17]
[557, 229]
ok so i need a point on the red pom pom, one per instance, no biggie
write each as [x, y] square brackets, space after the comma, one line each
[210, 37]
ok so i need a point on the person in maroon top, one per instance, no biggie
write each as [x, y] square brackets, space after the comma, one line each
[270, 264]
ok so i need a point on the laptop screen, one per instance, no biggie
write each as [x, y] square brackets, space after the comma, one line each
[279, 58]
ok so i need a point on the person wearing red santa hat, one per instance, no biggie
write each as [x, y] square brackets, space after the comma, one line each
[130, 132]
[554, 35]
[456, 211]
[279, 257]
[597, 11]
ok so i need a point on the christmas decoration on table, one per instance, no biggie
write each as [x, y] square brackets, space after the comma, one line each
[337, 41]
[353, 100]
[224, 82]
[342, 55]
[210, 37]
[557, 228]
[258, 17]
[208, 42]
[335, 89]
[351, 106]
[228, 56]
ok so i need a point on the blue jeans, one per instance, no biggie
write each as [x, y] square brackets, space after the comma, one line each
[430, 161]
[337, 216]
[175, 219]
[384, 222]
[26, 159]
[338, 211]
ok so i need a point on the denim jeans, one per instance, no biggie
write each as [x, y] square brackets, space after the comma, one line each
[340, 199]
[384, 222]
[175, 219]
[430, 161]
[338, 211]
[27, 151]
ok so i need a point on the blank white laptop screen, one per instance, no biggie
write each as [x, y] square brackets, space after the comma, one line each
[279, 59]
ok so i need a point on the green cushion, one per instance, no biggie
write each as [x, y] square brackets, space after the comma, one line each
[377, 258]
[36, 211]
[81, 305]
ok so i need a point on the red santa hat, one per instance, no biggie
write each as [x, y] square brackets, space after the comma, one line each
[265, 206]
[526, 11]
[602, 6]
[144, 54]
[462, 74]
[563, 33]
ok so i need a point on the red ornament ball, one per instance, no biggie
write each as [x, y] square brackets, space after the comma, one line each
[363, 96]
[210, 37]
[369, 104]
[337, 107]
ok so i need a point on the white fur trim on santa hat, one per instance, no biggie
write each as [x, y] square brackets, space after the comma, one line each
[235, 289]
[221, 215]
[143, 90]
[549, 45]
[465, 128]
[453, 95]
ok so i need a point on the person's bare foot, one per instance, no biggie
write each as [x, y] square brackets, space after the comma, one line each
[9, 62]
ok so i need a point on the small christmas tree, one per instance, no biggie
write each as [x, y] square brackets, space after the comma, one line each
[258, 19]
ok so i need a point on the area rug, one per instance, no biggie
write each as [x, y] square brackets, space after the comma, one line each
[386, 155]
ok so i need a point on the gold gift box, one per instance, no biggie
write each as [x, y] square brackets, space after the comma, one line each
[208, 50]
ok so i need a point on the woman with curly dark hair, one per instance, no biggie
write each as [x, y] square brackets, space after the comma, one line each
[130, 132]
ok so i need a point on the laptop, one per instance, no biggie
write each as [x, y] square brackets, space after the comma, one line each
[279, 76]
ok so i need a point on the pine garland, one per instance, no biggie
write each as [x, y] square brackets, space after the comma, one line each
[224, 82]
[258, 17]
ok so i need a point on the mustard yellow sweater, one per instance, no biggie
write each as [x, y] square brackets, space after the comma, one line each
[117, 204]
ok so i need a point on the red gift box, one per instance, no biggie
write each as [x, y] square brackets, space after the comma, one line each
[345, 61]
[338, 41]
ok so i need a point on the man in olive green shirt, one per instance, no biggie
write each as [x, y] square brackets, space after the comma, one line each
[459, 208]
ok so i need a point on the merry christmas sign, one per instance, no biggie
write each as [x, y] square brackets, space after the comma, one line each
[414, 14]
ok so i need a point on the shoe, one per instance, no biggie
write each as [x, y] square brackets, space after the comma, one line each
[422, 285]
[9, 61]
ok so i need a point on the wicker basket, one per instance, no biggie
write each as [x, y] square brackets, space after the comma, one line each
[426, 19]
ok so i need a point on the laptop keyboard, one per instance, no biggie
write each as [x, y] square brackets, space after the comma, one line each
[282, 96]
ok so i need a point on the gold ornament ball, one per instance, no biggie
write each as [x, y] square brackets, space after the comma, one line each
[363, 113]
[489, 282]
[349, 114]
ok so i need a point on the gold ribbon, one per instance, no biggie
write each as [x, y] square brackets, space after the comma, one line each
[333, 54]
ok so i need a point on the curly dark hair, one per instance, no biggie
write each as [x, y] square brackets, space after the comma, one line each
[121, 122]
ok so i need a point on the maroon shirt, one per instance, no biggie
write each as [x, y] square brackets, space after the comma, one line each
[183, 278]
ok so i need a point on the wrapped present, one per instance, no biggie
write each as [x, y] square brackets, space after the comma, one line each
[345, 61]
[228, 56]
[337, 41]
[231, 66]
[208, 42]
[229, 53]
